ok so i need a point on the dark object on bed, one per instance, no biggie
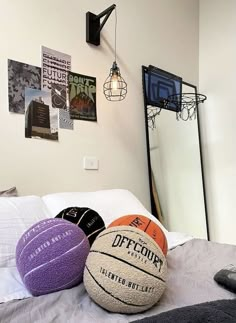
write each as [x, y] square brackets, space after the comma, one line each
[222, 311]
[227, 278]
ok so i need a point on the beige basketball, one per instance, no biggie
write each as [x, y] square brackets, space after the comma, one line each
[125, 271]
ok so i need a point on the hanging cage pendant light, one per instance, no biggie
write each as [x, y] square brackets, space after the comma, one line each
[114, 87]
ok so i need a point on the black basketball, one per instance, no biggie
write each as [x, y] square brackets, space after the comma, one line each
[87, 219]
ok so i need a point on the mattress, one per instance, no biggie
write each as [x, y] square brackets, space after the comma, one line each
[191, 268]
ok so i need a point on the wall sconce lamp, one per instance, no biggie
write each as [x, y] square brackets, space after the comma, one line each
[114, 87]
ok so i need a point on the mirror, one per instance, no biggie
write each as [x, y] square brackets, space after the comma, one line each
[175, 171]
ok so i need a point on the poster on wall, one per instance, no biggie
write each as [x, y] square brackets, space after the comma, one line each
[58, 92]
[82, 96]
[21, 75]
[41, 120]
[55, 68]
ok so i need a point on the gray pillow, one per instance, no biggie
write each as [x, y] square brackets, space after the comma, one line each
[8, 193]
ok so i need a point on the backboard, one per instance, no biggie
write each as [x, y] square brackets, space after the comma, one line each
[160, 86]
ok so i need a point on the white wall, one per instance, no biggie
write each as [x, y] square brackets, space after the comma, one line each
[163, 33]
[218, 118]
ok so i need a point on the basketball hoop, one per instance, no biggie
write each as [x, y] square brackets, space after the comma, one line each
[188, 103]
[164, 91]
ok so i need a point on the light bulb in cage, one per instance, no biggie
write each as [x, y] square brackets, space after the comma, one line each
[115, 87]
[114, 82]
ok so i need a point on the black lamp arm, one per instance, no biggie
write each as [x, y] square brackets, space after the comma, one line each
[106, 12]
[93, 26]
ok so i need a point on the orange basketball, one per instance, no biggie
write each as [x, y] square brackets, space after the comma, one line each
[145, 224]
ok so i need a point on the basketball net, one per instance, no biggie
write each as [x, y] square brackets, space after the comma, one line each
[189, 104]
[188, 111]
[152, 112]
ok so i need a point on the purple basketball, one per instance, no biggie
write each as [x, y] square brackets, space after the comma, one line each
[51, 255]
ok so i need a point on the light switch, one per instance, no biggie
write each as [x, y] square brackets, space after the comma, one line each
[90, 162]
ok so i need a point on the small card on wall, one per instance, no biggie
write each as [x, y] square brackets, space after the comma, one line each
[58, 96]
[82, 97]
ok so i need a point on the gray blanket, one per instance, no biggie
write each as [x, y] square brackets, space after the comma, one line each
[191, 269]
[223, 311]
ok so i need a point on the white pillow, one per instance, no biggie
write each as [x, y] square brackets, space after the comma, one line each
[110, 204]
[17, 214]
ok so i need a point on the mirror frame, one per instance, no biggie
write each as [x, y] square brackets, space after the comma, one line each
[153, 205]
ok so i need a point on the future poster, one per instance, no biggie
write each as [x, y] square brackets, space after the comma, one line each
[55, 68]
[82, 96]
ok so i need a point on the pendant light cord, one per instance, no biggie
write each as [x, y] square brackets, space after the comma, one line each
[115, 31]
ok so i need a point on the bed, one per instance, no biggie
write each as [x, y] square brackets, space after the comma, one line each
[192, 264]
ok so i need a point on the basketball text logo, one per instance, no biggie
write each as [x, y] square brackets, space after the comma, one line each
[138, 247]
[50, 242]
[136, 222]
[72, 212]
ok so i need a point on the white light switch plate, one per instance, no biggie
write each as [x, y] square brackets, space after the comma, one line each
[90, 162]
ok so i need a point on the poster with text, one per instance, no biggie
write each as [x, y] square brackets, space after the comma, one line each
[55, 68]
[82, 96]
[20, 76]
[41, 120]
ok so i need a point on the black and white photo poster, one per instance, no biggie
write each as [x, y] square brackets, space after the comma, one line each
[55, 68]
[41, 120]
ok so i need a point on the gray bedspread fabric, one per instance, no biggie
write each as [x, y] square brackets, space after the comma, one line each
[191, 269]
